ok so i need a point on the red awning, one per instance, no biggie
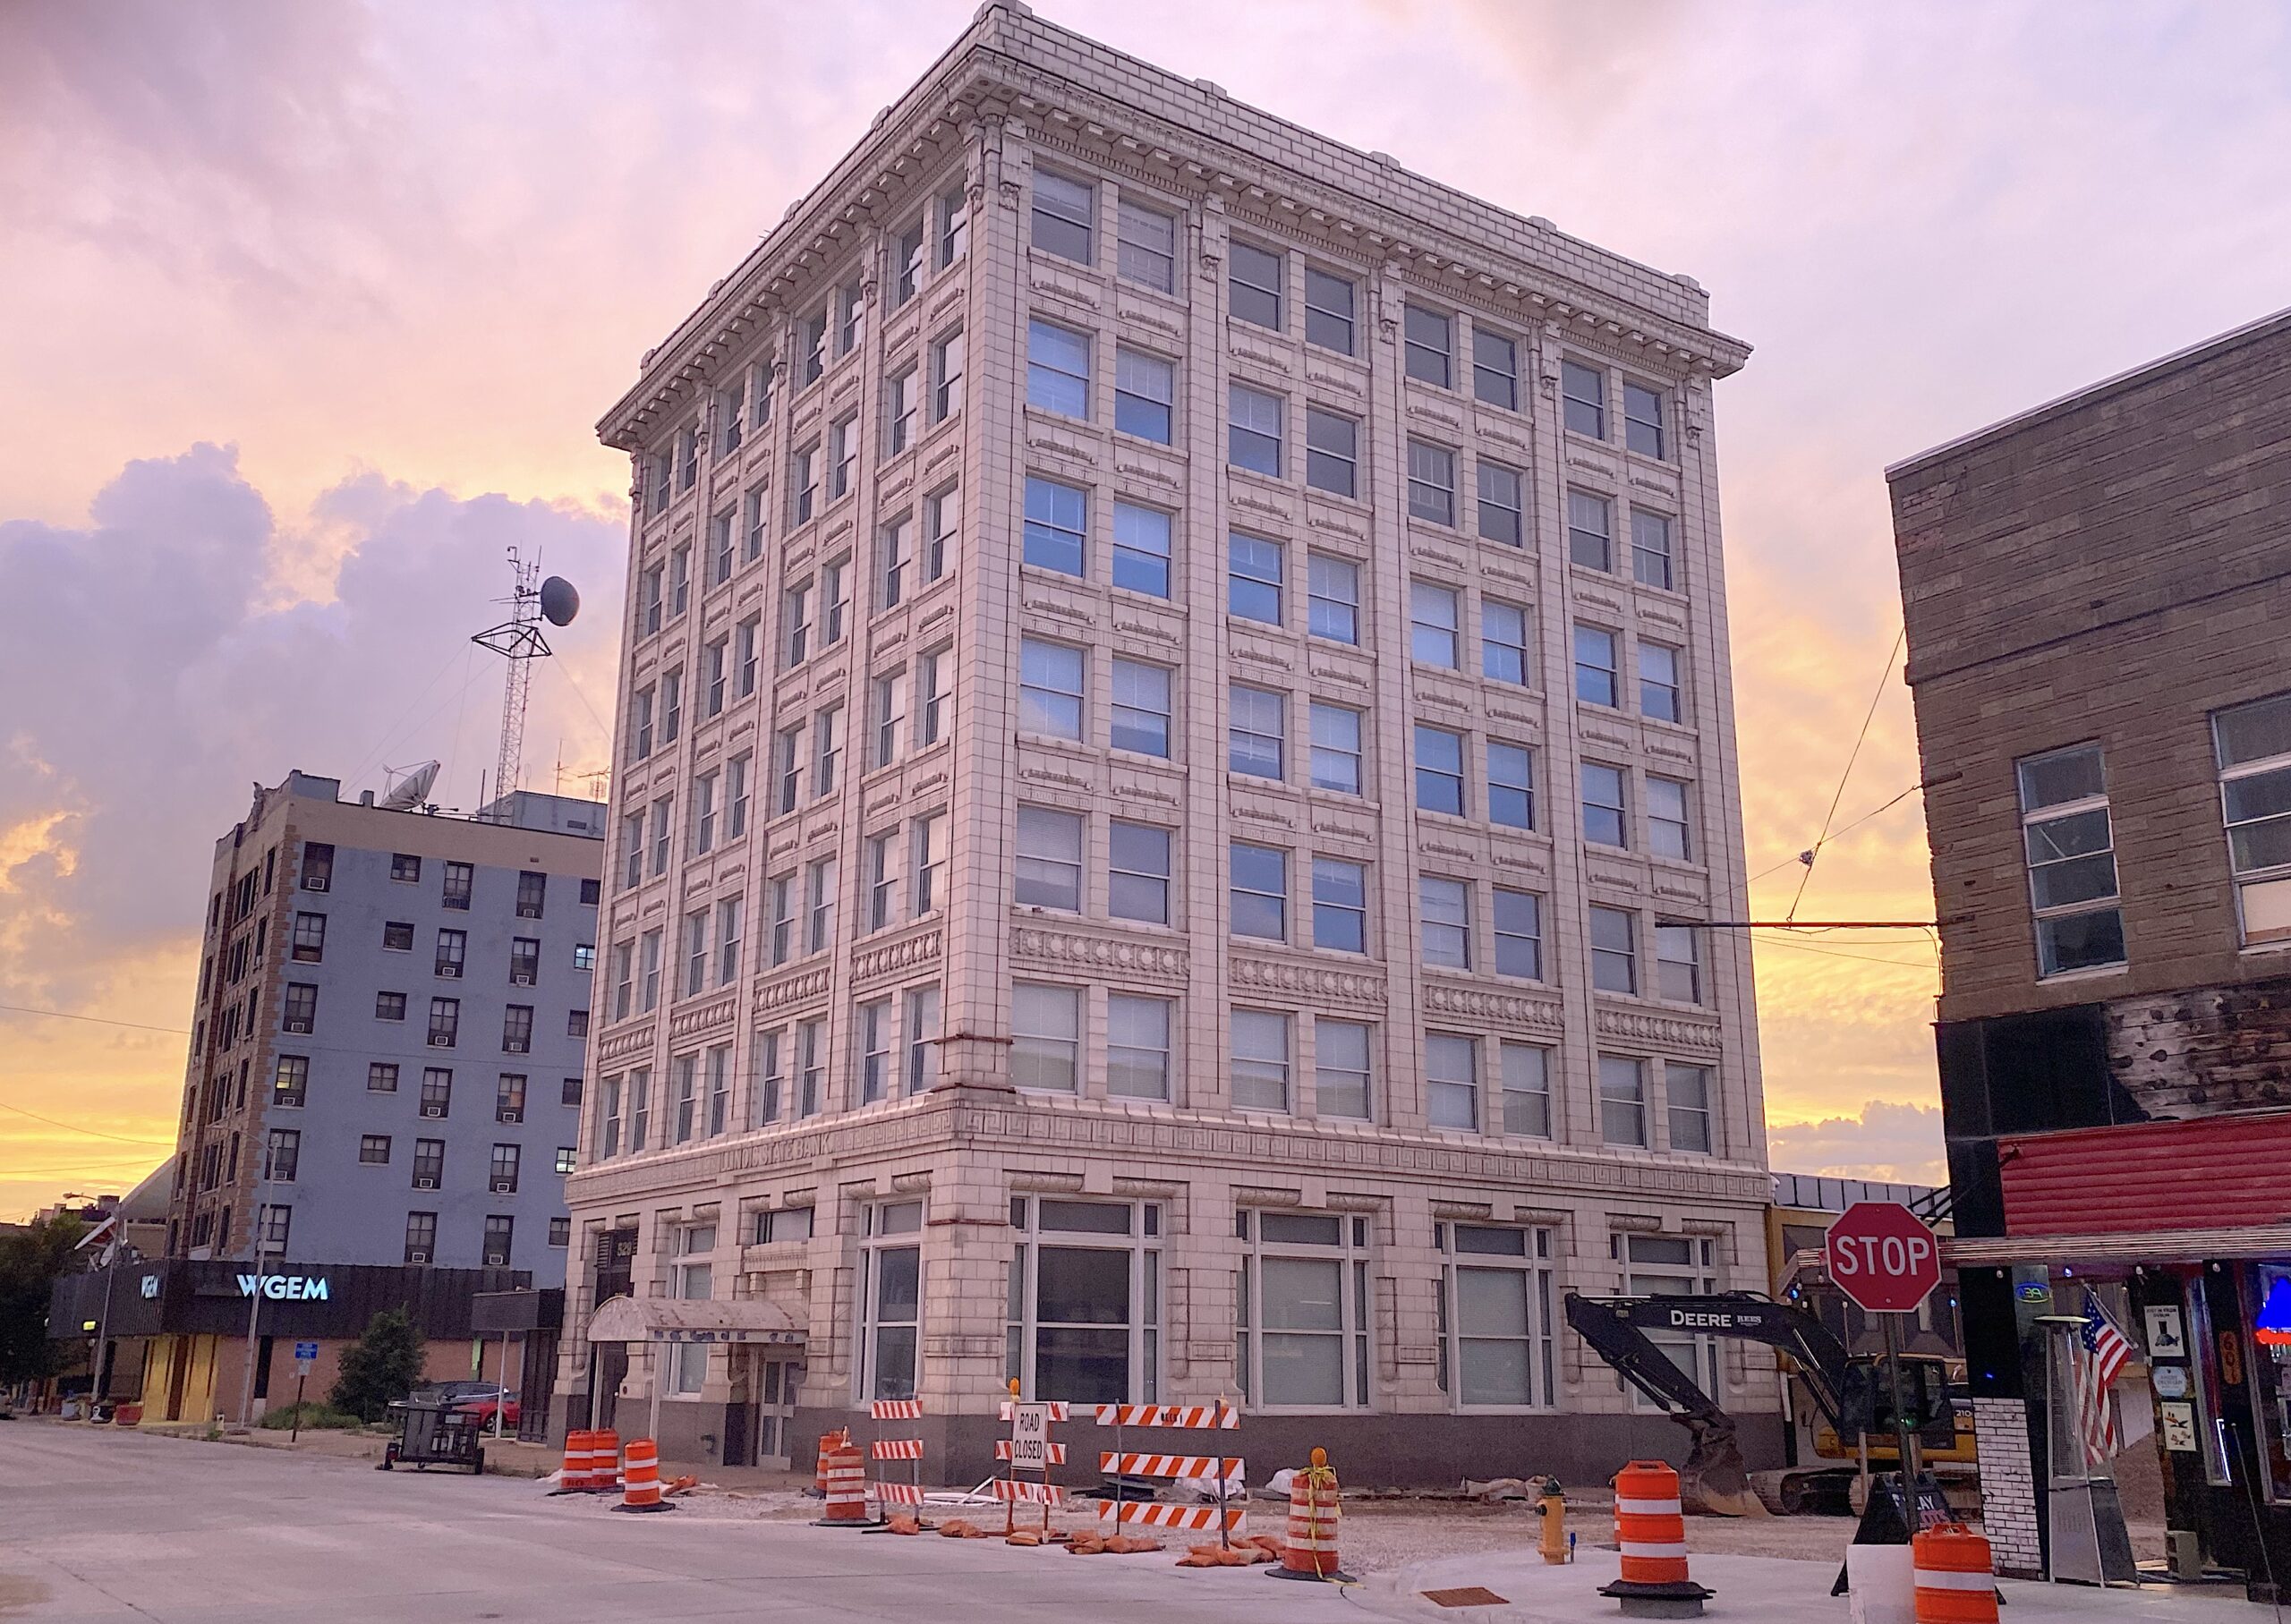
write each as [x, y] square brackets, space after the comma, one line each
[2210, 1173]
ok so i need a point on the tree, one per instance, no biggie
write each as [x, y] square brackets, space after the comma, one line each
[31, 1261]
[380, 1366]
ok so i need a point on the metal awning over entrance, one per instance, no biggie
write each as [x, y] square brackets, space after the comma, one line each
[662, 1319]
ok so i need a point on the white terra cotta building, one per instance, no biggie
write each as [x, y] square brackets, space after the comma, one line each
[1175, 731]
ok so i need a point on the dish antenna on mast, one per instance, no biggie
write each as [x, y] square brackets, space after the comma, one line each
[519, 640]
[409, 793]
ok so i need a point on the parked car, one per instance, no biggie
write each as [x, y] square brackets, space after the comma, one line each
[478, 1398]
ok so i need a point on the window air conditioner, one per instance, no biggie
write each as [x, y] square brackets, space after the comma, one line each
[519, 979]
[450, 971]
[298, 1026]
[508, 1115]
[318, 882]
[420, 1183]
[504, 1186]
[496, 1260]
[433, 1110]
[415, 1255]
[438, 1040]
[515, 1046]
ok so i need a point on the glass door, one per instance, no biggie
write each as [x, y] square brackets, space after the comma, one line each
[779, 1392]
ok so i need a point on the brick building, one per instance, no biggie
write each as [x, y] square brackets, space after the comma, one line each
[1176, 733]
[2096, 593]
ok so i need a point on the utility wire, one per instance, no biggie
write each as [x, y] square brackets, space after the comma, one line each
[101, 1020]
[74, 1127]
[1852, 756]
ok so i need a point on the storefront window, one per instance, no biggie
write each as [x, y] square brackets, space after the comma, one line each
[1496, 1317]
[891, 1290]
[1671, 1265]
[696, 1282]
[2209, 1405]
[1082, 1311]
[2270, 1379]
[1303, 1325]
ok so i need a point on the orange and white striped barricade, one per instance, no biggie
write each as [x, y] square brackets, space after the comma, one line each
[1650, 1533]
[1308, 1550]
[909, 1450]
[1119, 1462]
[1955, 1582]
[604, 1461]
[641, 1491]
[846, 1470]
[572, 1476]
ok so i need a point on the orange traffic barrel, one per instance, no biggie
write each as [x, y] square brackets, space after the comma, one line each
[641, 1483]
[1308, 1550]
[1953, 1578]
[573, 1478]
[844, 1467]
[1650, 1533]
[604, 1461]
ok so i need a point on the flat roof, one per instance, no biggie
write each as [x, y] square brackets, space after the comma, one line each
[2202, 350]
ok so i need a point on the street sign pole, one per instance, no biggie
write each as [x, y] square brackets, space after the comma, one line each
[301, 1376]
[1901, 1422]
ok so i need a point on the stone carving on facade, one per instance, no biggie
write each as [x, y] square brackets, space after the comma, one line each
[1119, 955]
[1501, 1008]
[703, 1017]
[787, 990]
[1311, 982]
[1661, 1031]
[613, 1045]
[894, 958]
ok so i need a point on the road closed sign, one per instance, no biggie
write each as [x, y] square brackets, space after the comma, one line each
[1030, 1437]
[1882, 1255]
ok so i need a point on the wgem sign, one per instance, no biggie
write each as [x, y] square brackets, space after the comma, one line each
[286, 1288]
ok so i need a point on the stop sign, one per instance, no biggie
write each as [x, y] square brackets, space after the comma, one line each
[1883, 1257]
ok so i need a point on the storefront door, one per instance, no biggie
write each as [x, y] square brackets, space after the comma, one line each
[777, 1396]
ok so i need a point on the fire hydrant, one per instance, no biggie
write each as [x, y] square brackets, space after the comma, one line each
[1553, 1510]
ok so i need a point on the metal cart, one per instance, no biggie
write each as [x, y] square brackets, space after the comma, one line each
[432, 1431]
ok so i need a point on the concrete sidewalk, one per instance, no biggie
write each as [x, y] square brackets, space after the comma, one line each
[1755, 1590]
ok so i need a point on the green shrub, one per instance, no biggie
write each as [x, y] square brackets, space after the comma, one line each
[315, 1416]
[379, 1367]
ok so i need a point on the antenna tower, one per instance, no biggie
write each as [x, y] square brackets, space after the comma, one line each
[519, 640]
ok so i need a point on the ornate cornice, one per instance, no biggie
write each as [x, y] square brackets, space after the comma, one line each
[618, 1045]
[1120, 956]
[1659, 1031]
[897, 957]
[1500, 1008]
[698, 1018]
[1313, 982]
[804, 987]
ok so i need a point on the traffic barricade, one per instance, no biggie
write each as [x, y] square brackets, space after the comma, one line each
[1221, 1469]
[909, 1450]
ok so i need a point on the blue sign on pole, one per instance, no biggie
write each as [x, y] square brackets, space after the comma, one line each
[306, 1350]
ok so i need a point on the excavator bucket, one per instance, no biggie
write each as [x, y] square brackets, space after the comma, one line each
[1714, 1482]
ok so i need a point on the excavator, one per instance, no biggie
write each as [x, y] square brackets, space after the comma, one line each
[1851, 1393]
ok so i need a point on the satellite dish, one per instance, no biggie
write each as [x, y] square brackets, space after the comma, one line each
[408, 791]
[559, 601]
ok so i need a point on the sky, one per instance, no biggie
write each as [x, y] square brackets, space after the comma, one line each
[312, 306]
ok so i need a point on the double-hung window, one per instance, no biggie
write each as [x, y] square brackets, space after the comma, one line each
[1452, 1081]
[1336, 748]
[2069, 837]
[1050, 859]
[1342, 1069]
[1440, 769]
[1257, 735]
[1658, 683]
[1333, 587]
[1503, 641]
[1139, 1046]
[1590, 531]
[1253, 285]
[927, 893]
[1258, 902]
[1510, 785]
[946, 376]
[1502, 505]
[1141, 549]
[897, 554]
[1057, 529]
[1144, 393]
[1331, 452]
[901, 396]
[1328, 310]
[1623, 1099]
[1253, 429]
[1597, 666]
[1692, 1121]
[1494, 369]
[2251, 744]
[1583, 389]
[1435, 624]
[1670, 823]
[1050, 688]
[1340, 905]
[1606, 819]
[1445, 907]
[1253, 578]
[1678, 963]
[1430, 345]
[1137, 871]
[1046, 1037]
[1064, 214]
[1259, 1063]
[1431, 482]
[1650, 548]
[953, 212]
[1058, 369]
[1615, 949]
[1147, 253]
[1519, 934]
[1642, 419]
[1141, 708]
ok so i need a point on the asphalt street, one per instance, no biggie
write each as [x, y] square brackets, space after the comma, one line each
[96, 1524]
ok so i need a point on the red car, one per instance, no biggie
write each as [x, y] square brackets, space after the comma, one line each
[481, 1399]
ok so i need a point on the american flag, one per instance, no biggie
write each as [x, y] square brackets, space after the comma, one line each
[2099, 1359]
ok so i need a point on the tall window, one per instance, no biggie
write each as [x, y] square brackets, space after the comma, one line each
[827, 750]
[1058, 369]
[907, 265]
[1083, 1315]
[1689, 1092]
[1497, 1330]
[1519, 934]
[1058, 521]
[1435, 624]
[1615, 949]
[1650, 548]
[1678, 963]
[901, 397]
[933, 695]
[1494, 369]
[2252, 745]
[1503, 641]
[821, 891]
[1590, 531]
[1064, 213]
[1673, 1265]
[1050, 688]
[1258, 901]
[1450, 1081]
[1050, 859]
[1658, 683]
[897, 553]
[1439, 769]
[1331, 452]
[1141, 708]
[943, 514]
[1141, 549]
[1340, 905]
[1670, 826]
[1045, 1037]
[1260, 1060]
[1137, 882]
[1253, 579]
[1257, 735]
[927, 893]
[891, 1297]
[851, 316]
[694, 1281]
[890, 717]
[1606, 817]
[2070, 843]
[1642, 419]
[1623, 1099]
[729, 911]
[1139, 1046]
[921, 1067]
[1510, 785]
[1303, 1312]
[1149, 249]
[1597, 666]
[1335, 587]
[1431, 482]
[1336, 748]
[953, 211]
[1342, 1069]
[1144, 392]
[1429, 345]
[1583, 389]
[1502, 505]
[1526, 1085]
[1445, 909]
[1253, 285]
[872, 1021]
[1328, 310]
[946, 376]
[1255, 429]
[882, 859]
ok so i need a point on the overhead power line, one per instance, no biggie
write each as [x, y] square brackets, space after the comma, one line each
[1853, 755]
[101, 1020]
[74, 1127]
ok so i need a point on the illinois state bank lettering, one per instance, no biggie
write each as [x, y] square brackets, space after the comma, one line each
[286, 1288]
